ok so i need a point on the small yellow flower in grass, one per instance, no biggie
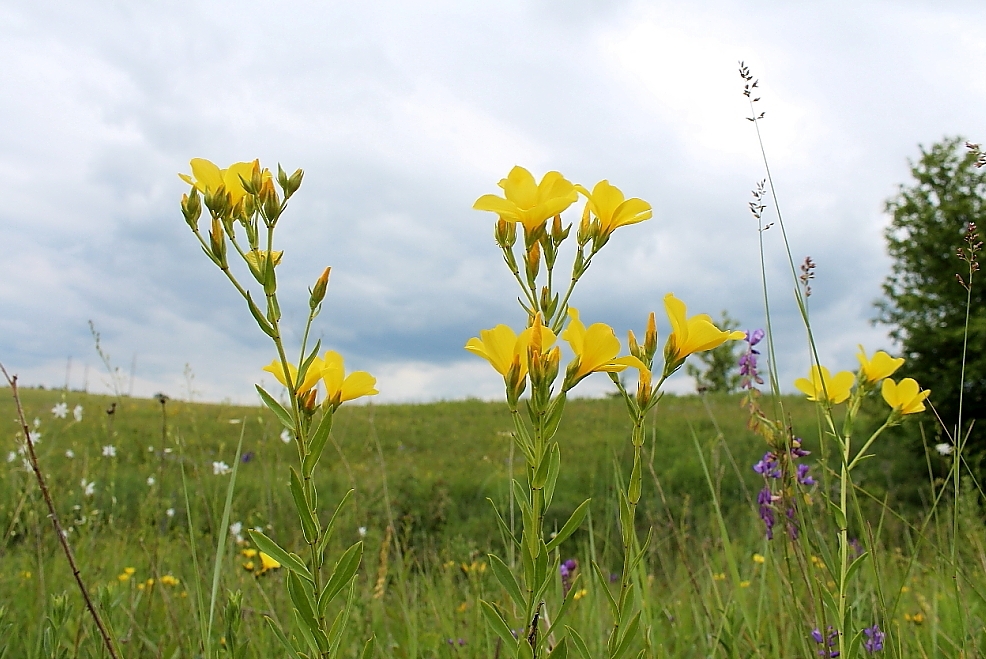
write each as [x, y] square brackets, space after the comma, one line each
[126, 574]
[690, 335]
[823, 386]
[613, 210]
[340, 387]
[719, 576]
[580, 594]
[905, 396]
[596, 350]
[248, 566]
[249, 553]
[527, 201]
[462, 608]
[312, 375]
[905, 589]
[26, 574]
[744, 584]
[881, 366]
[759, 559]
[917, 618]
[169, 580]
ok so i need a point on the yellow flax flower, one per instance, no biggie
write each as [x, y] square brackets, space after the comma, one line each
[338, 386]
[312, 376]
[596, 350]
[169, 580]
[501, 345]
[613, 210]
[904, 396]
[207, 177]
[267, 563]
[881, 366]
[821, 385]
[528, 202]
[690, 335]
[257, 259]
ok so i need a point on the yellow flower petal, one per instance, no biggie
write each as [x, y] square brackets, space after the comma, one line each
[905, 396]
[821, 385]
[527, 201]
[338, 387]
[881, 366]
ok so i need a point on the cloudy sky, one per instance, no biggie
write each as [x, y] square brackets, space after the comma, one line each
[402, 114]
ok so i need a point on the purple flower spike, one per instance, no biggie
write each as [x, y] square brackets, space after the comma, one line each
[827, 641]
[765, 499]
[755, 337]
[874, 639]
[768, 467]
[803, 476]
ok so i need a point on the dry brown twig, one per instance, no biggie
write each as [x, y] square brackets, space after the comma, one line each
[62, 536]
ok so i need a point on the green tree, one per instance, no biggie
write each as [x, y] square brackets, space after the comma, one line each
[925, 302]
[718, 372]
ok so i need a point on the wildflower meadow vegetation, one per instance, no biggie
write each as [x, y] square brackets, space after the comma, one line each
[644, 524]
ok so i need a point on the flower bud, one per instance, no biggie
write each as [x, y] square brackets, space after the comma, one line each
[650, 340]
[644, 392]
[318, 291]
[218, 202]
[191, 208]
[585, 229]
[552, 362]
[308, 401]
[289, 184]
[505, 233]
[217, 242]
[533, 262]
[514, 382]
[634, 347]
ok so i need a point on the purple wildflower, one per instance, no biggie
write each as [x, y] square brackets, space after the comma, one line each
[567, 569]
[827, 641]
[874, 639]
[765, 499]
[768, 467]
[857, 548]
[796, 450]
[247, 457]
[748, 361]
[803, 476]
[792, 524]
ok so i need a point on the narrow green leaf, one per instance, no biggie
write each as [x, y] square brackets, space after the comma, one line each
[317, 444]
[633, 491]
[579, 643]
[368, 648]
[560, 651]
[282, 414]
[306, 633]
[553, 469]
[573, 523]
[541, 475]
[829, 602]
[344, 570]
[855, 565]
[628, 637]
[626, 520]
[282, 639]
[524, 649]
[339, 624]
[554, 416]
[507, 580]
[503, 525]
[303, 603]
[854, 645]
[604, 587]
[523, 439]
[520, 495]
[288, 560]
[497, 623]
[643, 549]
[566, 605]
[265, 325]
[305, 365]
[327, 531]
[309, 525]
[840, 517]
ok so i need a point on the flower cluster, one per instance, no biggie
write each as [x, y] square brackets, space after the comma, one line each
[567, 571]
[748, 360]
[772, 467]
[829, 642]
[330, 371]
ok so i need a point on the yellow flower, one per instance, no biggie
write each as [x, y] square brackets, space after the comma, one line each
[881, 366]
[758, 558]
[580, 594]
[822, 386]
[169, 580]
[528, 202]
[249, 553]
[596, 350]
[744, 584]
[248, 566]
[338, 386]
[208, 178]
[690, 335]
[905, 396]
[500, 346]
[608, 204]
[267, 563]
[720, 576]
[311, 376]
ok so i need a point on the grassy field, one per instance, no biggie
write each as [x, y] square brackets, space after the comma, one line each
[426, 472]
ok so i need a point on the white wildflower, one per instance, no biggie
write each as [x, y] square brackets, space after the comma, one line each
[150, 449]
[170, 512]
[233, 422]
[286, 436]
[27, 466]
[37, 423]
[150, 480]
[35, 437]
[236, 529]
[70, 454]
[109, 451]
[944, 448]
[11, 456]
[167, 450]
[88, 488]
[362, 531]
[77, 412]
[220, 468]
[60, 410]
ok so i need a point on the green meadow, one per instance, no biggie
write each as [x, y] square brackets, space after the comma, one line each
[142, 492]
